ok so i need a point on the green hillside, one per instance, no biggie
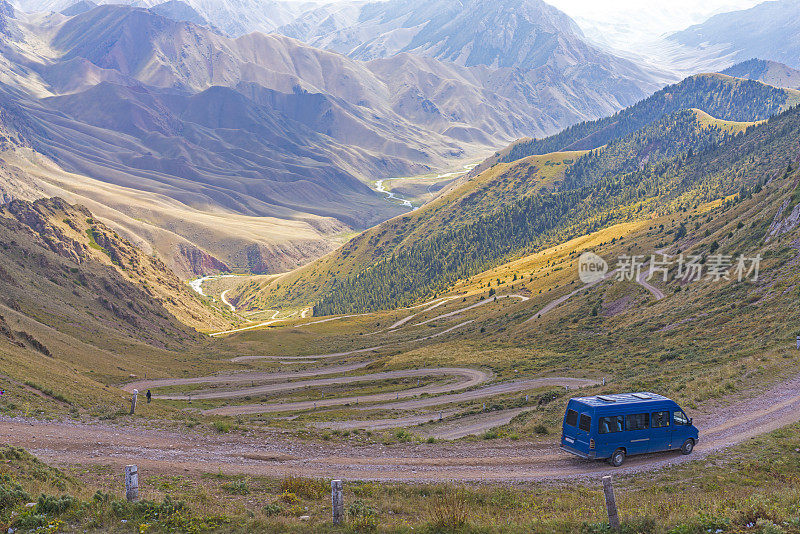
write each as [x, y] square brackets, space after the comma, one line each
[721, 96]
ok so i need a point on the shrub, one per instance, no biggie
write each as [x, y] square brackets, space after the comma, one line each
[362, 518]
[11, 493]
[289, 498]
[541, 429]
[403, 435]
[236, 487]
[273, 509]
[222, 427]
[449, 512]
[149, 510]
[51, 505]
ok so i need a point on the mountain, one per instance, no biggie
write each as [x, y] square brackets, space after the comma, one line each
[234, 18]
[722, 96]
[526, 35]
[78, 7]
[58, 254]
[769, 72]
[767, 31]
[178, 10]
[653, 157]
[254, 152]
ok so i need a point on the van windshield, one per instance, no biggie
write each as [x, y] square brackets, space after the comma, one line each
[572, 418]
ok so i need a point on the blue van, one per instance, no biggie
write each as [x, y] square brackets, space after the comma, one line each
[615, 426]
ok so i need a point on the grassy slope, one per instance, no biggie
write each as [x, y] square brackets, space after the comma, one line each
[707, 339]
[83, 309]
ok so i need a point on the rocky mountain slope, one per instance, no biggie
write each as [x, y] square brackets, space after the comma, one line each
[52, 240]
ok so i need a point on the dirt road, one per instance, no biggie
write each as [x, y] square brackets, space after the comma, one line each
[366, 402]
[279, 455]
[470, 378]
[243, 377]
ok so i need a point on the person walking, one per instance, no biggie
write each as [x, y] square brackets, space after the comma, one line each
[149, 396]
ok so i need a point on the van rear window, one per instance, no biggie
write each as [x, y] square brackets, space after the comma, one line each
[572, 418]
[637, 421]
[612, 424]
[585, 422]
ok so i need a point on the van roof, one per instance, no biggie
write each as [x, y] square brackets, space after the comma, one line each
[621, 399]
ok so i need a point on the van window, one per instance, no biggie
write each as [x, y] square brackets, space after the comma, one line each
[637, 421]
[681, 419]
[572, 417]
[612, 424]
[585, 423]
[660, 419]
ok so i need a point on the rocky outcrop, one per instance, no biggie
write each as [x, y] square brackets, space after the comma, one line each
[198, 261]
[37, 217]
[784, 223]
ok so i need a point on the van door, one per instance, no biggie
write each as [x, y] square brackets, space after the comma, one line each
[661, 431]
[637, 432]
[680, 428]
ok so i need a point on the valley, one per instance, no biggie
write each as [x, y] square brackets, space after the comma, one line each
[251, 248]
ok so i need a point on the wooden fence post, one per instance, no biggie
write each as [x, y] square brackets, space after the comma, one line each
[131, 483]
[337, 500]
[611, 503]
[133, 401]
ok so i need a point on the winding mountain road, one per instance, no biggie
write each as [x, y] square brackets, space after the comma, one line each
[274, 454]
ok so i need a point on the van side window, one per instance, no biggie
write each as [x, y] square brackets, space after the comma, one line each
[572, 418]
[585, 422]
[681, 419]
[637, 421]
[660, 419]
[612, 424]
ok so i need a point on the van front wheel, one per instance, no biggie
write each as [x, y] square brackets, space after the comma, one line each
[617, 458]
[688, 446]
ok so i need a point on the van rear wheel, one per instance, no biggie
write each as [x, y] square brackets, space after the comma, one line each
[688, 446]
[618, 458]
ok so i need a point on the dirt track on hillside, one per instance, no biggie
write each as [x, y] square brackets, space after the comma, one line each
[366, 402]
[470, 378]
[275, 454]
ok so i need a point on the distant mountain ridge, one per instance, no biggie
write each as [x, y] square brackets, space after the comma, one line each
[769, 72]
[722, 96]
